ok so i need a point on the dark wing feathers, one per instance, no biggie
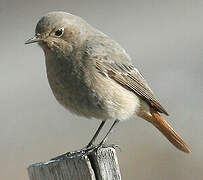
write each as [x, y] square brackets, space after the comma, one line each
[111, 60]
[130, 78]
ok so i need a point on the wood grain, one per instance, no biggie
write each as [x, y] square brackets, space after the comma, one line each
[101, 164]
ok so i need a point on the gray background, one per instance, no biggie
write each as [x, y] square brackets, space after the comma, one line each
[165, 40]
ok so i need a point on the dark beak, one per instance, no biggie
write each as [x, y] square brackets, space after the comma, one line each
[33, 40]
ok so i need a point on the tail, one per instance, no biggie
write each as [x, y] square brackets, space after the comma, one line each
[166, 130]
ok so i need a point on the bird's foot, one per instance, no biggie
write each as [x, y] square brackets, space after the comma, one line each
[115, 146]
[72, 154]
[92, 148]
[78, 153]
[82, 153]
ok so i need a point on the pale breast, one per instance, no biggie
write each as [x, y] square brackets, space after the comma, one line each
[119, 103]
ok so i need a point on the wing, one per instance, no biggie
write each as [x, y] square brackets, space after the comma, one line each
[111, 60]
[130, 78]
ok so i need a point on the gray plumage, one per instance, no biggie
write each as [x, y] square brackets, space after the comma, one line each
[92, 75]
[97, 51]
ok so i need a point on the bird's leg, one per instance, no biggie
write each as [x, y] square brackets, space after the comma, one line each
[84, 151]
[90, 147]
[96, 134]
[110, 131]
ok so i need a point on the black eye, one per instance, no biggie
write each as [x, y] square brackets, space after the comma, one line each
[59, 32]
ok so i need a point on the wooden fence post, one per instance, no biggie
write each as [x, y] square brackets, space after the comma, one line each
[101, 164]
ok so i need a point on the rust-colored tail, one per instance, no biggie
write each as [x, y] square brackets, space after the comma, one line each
[166, 130]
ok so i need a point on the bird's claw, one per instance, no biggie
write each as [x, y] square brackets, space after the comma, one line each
[85, 151]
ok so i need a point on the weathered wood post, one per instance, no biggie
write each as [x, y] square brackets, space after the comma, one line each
[101, 164]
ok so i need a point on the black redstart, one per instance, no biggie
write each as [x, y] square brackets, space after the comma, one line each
[92, 76]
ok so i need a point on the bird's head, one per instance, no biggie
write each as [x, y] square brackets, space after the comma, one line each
[60, 32]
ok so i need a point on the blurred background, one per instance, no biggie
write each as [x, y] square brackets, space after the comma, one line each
[165, 41]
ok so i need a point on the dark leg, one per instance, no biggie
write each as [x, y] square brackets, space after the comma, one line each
[110, 130]
[86, 150]
[96, 134]
[89, 148]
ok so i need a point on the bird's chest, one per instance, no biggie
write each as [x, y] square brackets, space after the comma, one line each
[72, 88]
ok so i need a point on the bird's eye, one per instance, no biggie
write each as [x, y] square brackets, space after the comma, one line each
[59, 32]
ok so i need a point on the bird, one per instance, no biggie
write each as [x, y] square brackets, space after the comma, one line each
[92, 76]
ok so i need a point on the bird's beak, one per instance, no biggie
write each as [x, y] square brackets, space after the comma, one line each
[33, 40]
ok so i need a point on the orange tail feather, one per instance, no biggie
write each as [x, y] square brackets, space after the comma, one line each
[166, 130]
